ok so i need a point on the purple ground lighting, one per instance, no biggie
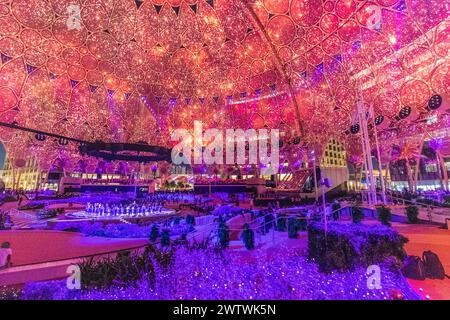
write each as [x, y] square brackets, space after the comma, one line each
[209, 275]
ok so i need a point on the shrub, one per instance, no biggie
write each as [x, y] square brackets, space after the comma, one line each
[48, 290]
[357, 214]
[447, 200]
[281, 224]
[346, 246]
[47, 214]
[119, 230]
[302, 224]
[165, 238]
[268, 222]
[413, 214]
[190, 220]
[176, 221]
[384, 215]
[248, 237]
[335, 210]
[224, 234]
[5, 221]
[292, 228]
[31, 206]
[154, 233]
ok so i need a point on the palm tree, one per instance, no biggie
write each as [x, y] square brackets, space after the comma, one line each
[438, 145]
[409, 152]
[357, 162]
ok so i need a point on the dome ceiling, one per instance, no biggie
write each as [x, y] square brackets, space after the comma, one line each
[125, 70]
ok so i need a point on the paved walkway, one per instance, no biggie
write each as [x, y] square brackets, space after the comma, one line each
[428, 237]
[40, 247]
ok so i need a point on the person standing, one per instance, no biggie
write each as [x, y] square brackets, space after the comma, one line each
[5, 255]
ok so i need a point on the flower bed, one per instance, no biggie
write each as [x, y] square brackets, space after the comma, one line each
[346, 246]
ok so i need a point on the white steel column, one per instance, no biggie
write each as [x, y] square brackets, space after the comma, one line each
[380, 165]
[362, 115]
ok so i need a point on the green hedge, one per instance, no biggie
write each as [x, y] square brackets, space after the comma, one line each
[349, 245]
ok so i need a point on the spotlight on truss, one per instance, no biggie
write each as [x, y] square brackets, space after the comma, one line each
[354, 129]
[435, 102]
